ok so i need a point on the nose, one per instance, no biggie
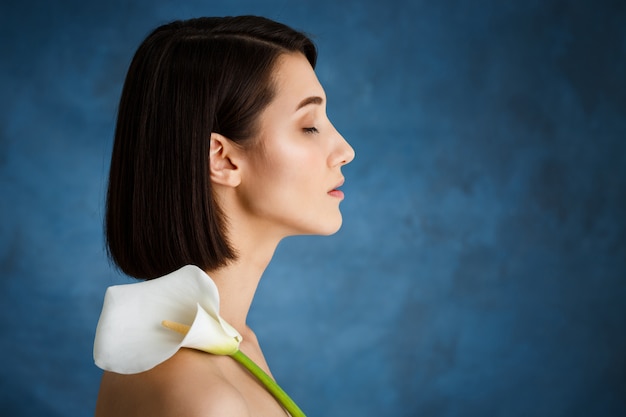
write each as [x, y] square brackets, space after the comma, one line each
[344, 153]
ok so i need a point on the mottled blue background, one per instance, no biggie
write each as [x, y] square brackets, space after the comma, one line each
[481, 270]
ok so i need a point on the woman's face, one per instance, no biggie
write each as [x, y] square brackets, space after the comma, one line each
[292, 179]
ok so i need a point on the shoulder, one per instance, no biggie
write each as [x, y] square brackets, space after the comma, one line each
[218, 399]
[182, 385]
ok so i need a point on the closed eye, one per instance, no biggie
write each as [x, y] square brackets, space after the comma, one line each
[310, 130]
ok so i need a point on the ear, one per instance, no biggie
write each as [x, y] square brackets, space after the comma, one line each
[223, 161]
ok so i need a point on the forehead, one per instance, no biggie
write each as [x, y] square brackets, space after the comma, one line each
[295, 80]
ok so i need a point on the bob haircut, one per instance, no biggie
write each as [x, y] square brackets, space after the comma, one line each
[187, 79]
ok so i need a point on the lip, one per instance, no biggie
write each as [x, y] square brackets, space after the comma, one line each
[335, 192]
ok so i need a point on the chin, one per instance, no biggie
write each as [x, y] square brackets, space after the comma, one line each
[331, 229]
[322, 227]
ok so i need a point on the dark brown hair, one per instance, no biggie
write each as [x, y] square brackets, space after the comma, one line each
[187, 79]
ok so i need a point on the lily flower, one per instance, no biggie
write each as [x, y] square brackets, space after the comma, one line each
[130, 337]
[134, 331]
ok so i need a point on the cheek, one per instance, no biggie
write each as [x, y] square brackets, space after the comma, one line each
[290, 169]
[291, 159]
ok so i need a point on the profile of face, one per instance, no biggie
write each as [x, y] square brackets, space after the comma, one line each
[289, 184]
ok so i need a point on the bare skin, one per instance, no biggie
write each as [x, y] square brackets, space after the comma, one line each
[288, 189]
[191, 383]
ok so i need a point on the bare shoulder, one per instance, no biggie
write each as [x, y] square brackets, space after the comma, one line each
[189, 384]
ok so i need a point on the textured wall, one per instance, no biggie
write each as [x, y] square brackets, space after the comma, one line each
[481, 269]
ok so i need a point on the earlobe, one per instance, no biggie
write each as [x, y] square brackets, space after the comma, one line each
[222, 165]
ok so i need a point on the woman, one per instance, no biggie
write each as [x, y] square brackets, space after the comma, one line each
[222, 149]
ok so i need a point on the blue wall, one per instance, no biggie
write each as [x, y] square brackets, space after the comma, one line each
[481, 269]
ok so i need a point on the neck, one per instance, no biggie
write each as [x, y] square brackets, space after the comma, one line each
[255, 241]
[237, 282]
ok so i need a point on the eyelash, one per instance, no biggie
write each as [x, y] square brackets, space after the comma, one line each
[310, 130]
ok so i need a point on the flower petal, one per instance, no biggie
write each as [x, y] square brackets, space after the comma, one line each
[212, 334]
[130, 338]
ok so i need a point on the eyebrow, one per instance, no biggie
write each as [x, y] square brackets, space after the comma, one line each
[310, 100]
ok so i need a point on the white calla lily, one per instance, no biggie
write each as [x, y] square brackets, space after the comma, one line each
[134, 333]
[130, 337]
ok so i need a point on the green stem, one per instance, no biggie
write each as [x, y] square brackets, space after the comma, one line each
[269, 383]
